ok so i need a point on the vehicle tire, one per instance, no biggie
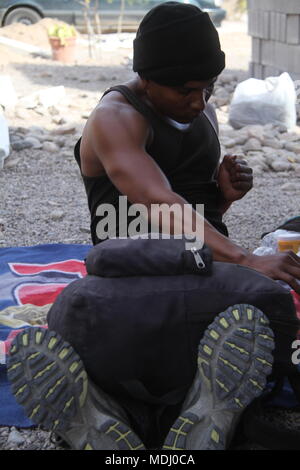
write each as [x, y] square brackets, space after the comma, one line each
[22, 15]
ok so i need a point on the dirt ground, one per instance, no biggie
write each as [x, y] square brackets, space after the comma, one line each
[106, 63]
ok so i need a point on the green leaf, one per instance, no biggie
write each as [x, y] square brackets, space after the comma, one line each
[62, 32]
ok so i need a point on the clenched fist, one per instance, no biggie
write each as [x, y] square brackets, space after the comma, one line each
[235, 178]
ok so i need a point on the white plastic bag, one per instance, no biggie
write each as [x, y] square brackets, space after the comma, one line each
[269, 243]
[269, 246]
[8, 96]
[272, 100]
[4, 140]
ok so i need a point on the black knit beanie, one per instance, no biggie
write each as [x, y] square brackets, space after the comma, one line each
[176, 43]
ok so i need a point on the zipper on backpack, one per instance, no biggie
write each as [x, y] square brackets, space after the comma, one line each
[199, 261]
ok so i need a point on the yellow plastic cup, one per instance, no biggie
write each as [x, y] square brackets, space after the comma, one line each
[290, 241]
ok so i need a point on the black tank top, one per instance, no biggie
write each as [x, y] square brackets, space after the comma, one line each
[189, 159]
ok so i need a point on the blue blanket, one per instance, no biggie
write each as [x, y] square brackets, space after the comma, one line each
[36, 275]
[32, 275]
[11, 413]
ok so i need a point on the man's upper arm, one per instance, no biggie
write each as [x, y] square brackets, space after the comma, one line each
[118, 138]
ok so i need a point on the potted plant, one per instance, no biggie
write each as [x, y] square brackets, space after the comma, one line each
[62, 39]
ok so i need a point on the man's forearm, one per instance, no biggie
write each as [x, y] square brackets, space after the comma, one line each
[190, 222]
[222, 247]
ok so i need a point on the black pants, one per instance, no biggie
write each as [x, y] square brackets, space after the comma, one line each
[138, 336]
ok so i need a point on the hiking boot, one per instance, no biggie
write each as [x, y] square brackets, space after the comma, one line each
[234, 360]
[49, 380]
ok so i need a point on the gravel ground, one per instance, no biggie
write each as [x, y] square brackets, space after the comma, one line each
[42, 188]
[42, 195]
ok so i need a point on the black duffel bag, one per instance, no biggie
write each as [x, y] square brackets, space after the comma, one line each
[136, 319]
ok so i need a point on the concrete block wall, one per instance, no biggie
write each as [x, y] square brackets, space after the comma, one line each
[274, 26]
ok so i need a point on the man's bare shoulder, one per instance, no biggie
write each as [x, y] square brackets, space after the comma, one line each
[114, 112]
[114, 106]
[114, 100]
[113, 125]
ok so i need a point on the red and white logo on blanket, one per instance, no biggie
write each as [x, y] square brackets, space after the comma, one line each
[43, 292]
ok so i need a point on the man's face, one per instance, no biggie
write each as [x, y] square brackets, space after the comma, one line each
[181, 103]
